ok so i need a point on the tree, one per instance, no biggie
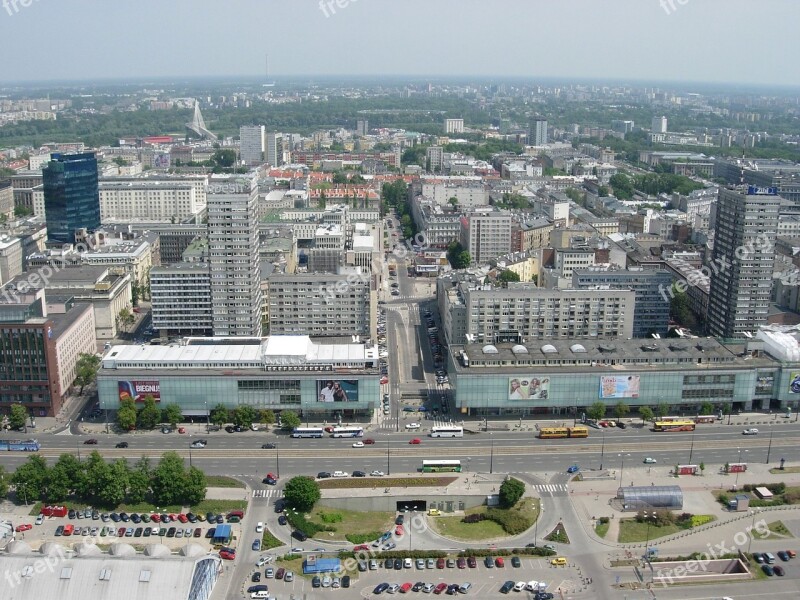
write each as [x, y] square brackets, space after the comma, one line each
[195, 487]
[453, 201]
[125, 318]
[113, 485]
[646, 413]
[679, 309]
[149, 416]
[63, 477]
[17, 416]
[507, 276]
[727, 408]
[301, 493]
[126, 415]
[97, 471]
[22, 211]
[223, 158]
[4, 480]
[289, 420]
[662, 410]
[603, 191]
[30, 479]
[596, 411]
[511, 490]
[458, 257]
[86, 369]
[621, 409]
[219, 415]
[169, 479]
[244, 416]
[139, 481]
[623, 186]
[702, 468]
[706, 408]
[267, 416]
[172, 414]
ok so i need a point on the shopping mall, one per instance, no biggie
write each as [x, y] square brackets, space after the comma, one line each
[320, 381]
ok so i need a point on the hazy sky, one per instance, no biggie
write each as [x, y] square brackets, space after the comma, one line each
[743, 41]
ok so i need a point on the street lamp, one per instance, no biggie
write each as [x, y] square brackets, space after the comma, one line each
[769, 448]
[277, 462]
[491, 454]
[691, 448]
[622, 467]
[388, 465]
[752, 527]
[208, 418]
[647, 516]
[736, 485]
[408, 526]
[78, 444]
[190, 457]
[603, 449]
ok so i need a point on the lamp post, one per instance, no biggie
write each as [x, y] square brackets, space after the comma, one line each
[622, 467]
[388, 464]
[208, 418]
[752, 527]
[691, 448]
[769, 448]
[277, 461]
[736, 485]
[190, 458]
[647, 516]
[78, 444]
[536, 525]
[603, 449]
[408, 528]
[491, 454]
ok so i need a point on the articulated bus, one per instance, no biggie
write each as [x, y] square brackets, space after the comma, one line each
[441, 466]
[307, 432]
[19, 445]
[447, 431]
[674, 426]
[578, 431]
[341, 432]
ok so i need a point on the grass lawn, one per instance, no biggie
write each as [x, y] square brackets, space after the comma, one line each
[387, 482]
[223, 481]
[349, 522]
[453, 527]
[632, 531]
[219, 506]
[601, 529]
[776, 527]
[269, 541]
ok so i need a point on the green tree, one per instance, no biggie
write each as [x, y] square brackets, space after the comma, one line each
[453, 201]
[679, 309]
[126, 415]
[702, 468]
[507, 276]
[30, 479]
[195, 486]
[662, 410]
[220, 415]
[620, 410]
[458, 257]
[646, 413]
[267, 416]
[63, 477]
[244, 415]
[289, 420]
[301, 493]
[169, 480]
[22, 211]
[172, 414]
[4, 482]
[97, 470]
[125, 318]
[339, 178]
[17, 416]
[86, 369]
[622, 185]
[596, 411]
[706, 408]
[113, 486]
[223, 158]
[150, 415]
[511, 490]
[603, 191]
[139, 481]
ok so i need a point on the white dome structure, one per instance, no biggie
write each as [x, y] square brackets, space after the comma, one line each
[192, 550]
[51, 549]
[18, 547]
[122, 550]
[87, 549]
[157, 551]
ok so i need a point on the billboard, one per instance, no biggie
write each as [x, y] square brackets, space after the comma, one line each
[535, 387]
[337, 390]
[794, 386]
[619, 386]
[161, 160]
[138, 390]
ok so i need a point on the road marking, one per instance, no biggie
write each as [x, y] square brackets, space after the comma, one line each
[267, 493]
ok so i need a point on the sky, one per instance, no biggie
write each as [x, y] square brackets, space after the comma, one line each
[715, 41]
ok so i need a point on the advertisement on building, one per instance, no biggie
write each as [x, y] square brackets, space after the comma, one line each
[764, 382]
[794, 386]
[619, 386]
[139, 390]
[337, 390]
[528, 388]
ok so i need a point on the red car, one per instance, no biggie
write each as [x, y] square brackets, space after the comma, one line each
[398, 531]
[121, 532]
[329, 429]
[227, 554]
[181, 429]
[173, 517]
[183, 518]
[361, 547]
[272, 476]
[384, 380]
[24, 527]
[415, 441]
[406, 587]
[440, 563]
[440, 588]
[369, 441]
[499, 562]
[155, 517]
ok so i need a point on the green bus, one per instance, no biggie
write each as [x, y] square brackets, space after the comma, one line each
[441, 466]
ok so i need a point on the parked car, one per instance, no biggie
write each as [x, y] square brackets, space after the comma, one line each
[122, 445]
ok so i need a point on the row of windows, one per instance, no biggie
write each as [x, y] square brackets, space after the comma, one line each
[694, 379]
[269, 384]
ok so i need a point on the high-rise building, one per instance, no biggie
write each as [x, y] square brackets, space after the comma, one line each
[251, 144]
[181, 299]
[71, 196]
[742, 261]
[538, 132]
[658, 125]
[486, 234]
[233, 255]
[435, 158]
[274, 152]
[454, 125]
[362, 127]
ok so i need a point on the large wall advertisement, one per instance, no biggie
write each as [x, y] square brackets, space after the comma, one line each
[528, 388]
[619, 386]
[337, 390]
[794, 385]
[139, 390]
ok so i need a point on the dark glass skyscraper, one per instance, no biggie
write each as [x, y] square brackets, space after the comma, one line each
[71, 196]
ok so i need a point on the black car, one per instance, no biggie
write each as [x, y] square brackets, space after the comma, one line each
[230, 429]
[279, 506]
[125, 517]
[136, 518]
[210, 533]
[758, 557]
[359, 474]
[268, 446]
[398, 564]
[192, 517]
[210, 517]
[621, 425]
[138, 532]
[115, 517]
[257, 588]
[323, 475]
[220, 519]
[122, 445]
[768, 570]
[346, 581]
[299, 535]
[418, 586]
[452, 589]
[544, 596]
[238, 428]
[282, 520]
[316, 582]
[380, 588]
[71, 513]
[400, 520]
[362, 566]
[59, 530]
[507, 587]
[256, 577]
[147, 532]
[389, 564]
[269, 481]
[171, 532]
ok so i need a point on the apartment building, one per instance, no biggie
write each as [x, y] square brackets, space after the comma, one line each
[181, 299]
[530, 235]
[10, 258]
[166, 200]
[486, 233]
[251, 144]
[454, 125]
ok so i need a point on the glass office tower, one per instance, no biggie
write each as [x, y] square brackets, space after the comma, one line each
[71, 196]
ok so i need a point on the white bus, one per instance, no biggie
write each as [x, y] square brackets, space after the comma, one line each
[340, 432]
[441, 466]
[447, 431]
[307, 432]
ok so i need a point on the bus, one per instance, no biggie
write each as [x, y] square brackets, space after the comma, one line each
[341, 432]
[19, 446]
[674, 426]
[447, 431]
[706, 419]
[579, 431]
[441, 466]
[307, 432]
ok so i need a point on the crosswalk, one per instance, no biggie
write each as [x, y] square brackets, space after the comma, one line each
[556, 489]
[267, 493]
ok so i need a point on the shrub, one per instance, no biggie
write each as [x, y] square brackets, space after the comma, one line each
[513, 523]
[330, 517]
[361, 538]
[603, 520]
[475, 518]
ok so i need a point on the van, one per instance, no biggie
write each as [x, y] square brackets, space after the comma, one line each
[465, 588]
[260, 595]
[769, 557]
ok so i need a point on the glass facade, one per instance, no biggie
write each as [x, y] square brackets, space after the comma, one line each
[71, 196]
[23, 365]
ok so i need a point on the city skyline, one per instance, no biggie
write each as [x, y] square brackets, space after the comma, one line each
[652, 40]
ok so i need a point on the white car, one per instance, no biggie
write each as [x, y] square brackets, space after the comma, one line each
[40, 519]
[532, 586]
[260, 527]
[519, 586]
[750, 431]
[377, 473]
[341, 474]
[358, 444]
[413, 426]
[649, 461]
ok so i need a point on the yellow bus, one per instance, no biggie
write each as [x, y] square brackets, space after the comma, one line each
[563, 432]
[674, 426]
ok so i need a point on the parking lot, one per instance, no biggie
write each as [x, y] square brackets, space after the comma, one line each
[486, 582]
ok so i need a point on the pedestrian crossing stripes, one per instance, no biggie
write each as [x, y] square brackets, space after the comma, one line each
[551, 487]
[267, 493]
